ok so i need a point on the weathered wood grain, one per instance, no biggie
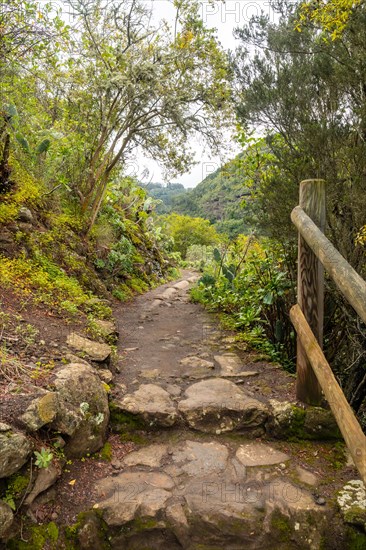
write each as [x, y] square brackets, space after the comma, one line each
[349, 282]
[310, 290]
[343, 413]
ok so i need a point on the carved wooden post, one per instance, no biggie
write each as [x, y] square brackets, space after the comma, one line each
[310, 290]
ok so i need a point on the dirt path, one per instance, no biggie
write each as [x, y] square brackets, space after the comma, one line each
[162, 327]
[206, 447]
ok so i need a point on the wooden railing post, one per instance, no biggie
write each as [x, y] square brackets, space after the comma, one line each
[310, 290]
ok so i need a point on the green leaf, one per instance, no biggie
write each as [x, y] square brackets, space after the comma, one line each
[23, 142]
[268, 299]
[217, 255]
[43, 147]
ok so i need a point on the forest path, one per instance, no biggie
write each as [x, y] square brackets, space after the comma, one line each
[212, 470]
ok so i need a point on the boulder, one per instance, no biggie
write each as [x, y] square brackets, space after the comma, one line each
[46, 477]
[94, 350]
[152, 404]
[289, 420]
[107, 329]
[218, 406]
[197, 499]
[182, 285]
[6, 518]
[41, 411]
[15, 449]
[25, 215]
[83, 412]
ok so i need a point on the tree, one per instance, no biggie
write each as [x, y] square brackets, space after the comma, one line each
[307, 95]
[332, 15]
[133, 86]
[187, 231]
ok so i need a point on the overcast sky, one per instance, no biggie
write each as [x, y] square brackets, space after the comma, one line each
[224, 17]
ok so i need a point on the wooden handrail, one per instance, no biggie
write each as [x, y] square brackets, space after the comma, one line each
[343, 413]
[314, 375]
[349, 282]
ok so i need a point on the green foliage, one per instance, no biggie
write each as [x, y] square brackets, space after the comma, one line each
[16, 487]
[186, 231]
[43, 458]
[106, 452]
[302, 88]
[254, 296]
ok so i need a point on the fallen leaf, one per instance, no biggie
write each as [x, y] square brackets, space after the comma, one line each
[72, 482]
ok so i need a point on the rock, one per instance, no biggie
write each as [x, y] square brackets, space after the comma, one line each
[83, 412]
[259, 454]
[107, 329]
[150, 374]
[90, 532]
[150, 456]
[321, 424]
[218, 405]
[200, 459]
[105, 375]
[230, 363]
[95, 351]
[133, 494]
[306, 477]
[196, 362]
[288, 420]
[41, 411]
[352, 503]
[173, 389]
[6, 518]
[46, 477]
[71, 358]
[196, 500]
[25, 215]
[152, 403]
[182, 285]
[15, 449]
[168, 293]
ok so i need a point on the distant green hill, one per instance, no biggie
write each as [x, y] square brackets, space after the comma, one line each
[221, 198]
[165, 193]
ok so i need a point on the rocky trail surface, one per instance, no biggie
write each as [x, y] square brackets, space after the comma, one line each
[206, 445]
[220, 471]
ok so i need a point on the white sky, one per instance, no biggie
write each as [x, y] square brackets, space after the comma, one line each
[224, 16]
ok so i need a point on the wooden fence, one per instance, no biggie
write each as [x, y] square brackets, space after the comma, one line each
[314, 375]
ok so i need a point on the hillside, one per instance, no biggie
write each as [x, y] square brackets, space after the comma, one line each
[220, 197]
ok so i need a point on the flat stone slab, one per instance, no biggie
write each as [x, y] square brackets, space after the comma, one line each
[218, 405]
[306, 477]
[196, 498]
[201, 458]
[168, 293]
[149, 456]
[182, 285]
[133, 494]
[152, 403]
[96, 351]
[259, 454]
[230, 363]
[195, 362]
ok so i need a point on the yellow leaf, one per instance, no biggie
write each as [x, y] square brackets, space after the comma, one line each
[72, 482]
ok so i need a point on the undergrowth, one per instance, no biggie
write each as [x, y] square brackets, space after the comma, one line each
[248, 283]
